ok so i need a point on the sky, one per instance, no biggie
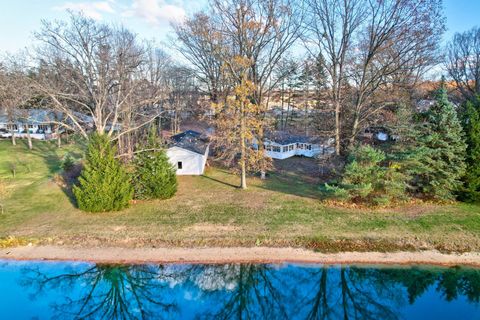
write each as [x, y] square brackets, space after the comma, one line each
[151, 18]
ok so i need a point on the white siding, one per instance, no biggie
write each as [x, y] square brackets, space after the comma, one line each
[192, 163]
[21, 128]
[293, 150]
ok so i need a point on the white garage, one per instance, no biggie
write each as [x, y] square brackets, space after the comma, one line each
[188, 153]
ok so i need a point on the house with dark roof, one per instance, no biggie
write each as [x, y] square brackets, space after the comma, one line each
[283, 145]
[188, 152]
[40, 123]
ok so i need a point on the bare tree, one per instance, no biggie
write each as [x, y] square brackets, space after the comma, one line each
[398, 43]
[97, 75]
[370, 47]
[463, 62]
[16, 90]
[239, 43]
[198, 41]
[261, 31]
[182, 96]
[331, 27]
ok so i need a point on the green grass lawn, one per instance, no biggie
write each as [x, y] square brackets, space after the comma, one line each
[209, 210]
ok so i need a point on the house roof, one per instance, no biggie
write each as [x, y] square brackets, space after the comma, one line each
[285, 138]
[190, 140]
[31, 116]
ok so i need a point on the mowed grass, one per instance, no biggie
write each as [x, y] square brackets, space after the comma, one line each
[210, 210]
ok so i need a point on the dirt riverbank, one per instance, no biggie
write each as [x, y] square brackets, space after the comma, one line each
[234, 255]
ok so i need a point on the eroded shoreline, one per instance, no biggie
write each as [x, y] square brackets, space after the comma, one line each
[119, 255]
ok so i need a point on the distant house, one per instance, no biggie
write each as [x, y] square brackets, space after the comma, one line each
[379, 133]
[282, 145]
[39, 122]
[188, 152]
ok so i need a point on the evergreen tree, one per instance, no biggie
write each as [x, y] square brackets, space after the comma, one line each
[67, 163]
[471, 124]
[438, 153]
[370, 178]
[154, 177]
[104, 184]
[407, 151]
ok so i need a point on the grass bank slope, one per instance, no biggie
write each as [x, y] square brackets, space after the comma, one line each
[210, 210]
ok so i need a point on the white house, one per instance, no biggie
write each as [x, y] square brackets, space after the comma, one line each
[188, 152]
[39, 122]
[282, 145]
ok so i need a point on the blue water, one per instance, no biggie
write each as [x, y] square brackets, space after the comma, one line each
[62, 290]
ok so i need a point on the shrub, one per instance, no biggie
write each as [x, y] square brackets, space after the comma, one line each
[154, 176]
[104, 184]
[67, 163]
[368, 179]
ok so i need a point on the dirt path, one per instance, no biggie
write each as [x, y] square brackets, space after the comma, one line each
[233, 255]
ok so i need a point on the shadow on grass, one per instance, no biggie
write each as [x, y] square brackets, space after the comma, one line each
[294, 180]
[222, 182]
[70, 179]
[51, 155]
[296, 176]
[291, 185]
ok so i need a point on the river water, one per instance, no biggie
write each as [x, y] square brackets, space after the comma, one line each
[73, 290]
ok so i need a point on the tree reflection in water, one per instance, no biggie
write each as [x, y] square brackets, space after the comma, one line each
[246, 291]
[108, 292]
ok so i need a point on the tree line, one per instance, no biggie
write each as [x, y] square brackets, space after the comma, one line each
[351, 64]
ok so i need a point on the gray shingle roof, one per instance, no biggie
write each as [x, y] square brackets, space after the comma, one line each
[285, 138]
[31, 116]
[190, 140]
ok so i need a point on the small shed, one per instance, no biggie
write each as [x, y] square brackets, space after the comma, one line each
[283, 145]
[188, 152]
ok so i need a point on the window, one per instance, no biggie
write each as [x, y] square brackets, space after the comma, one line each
[179, 165]
[285, 149]
[290, 147]
[12, 127]
[268, 148]
[276, 149]
[30, 126]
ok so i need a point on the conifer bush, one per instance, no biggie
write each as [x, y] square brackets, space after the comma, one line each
[369, 178]
[104, 184]
[67, 163]
[437, 156]
[154, 176]
[471, 190]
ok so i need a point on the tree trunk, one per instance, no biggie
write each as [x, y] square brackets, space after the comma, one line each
[356, 120]
[351, 141]
[305, 116]
[283, 105]
[243, 183]
[14, 142]
[261, 148]
[29, 139]
[337, 128]
[59, 138]
[159, 129]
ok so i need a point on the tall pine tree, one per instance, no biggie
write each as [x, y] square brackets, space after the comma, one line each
[440, 151]
[104, 184]
[154, 177]
[471, 124]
